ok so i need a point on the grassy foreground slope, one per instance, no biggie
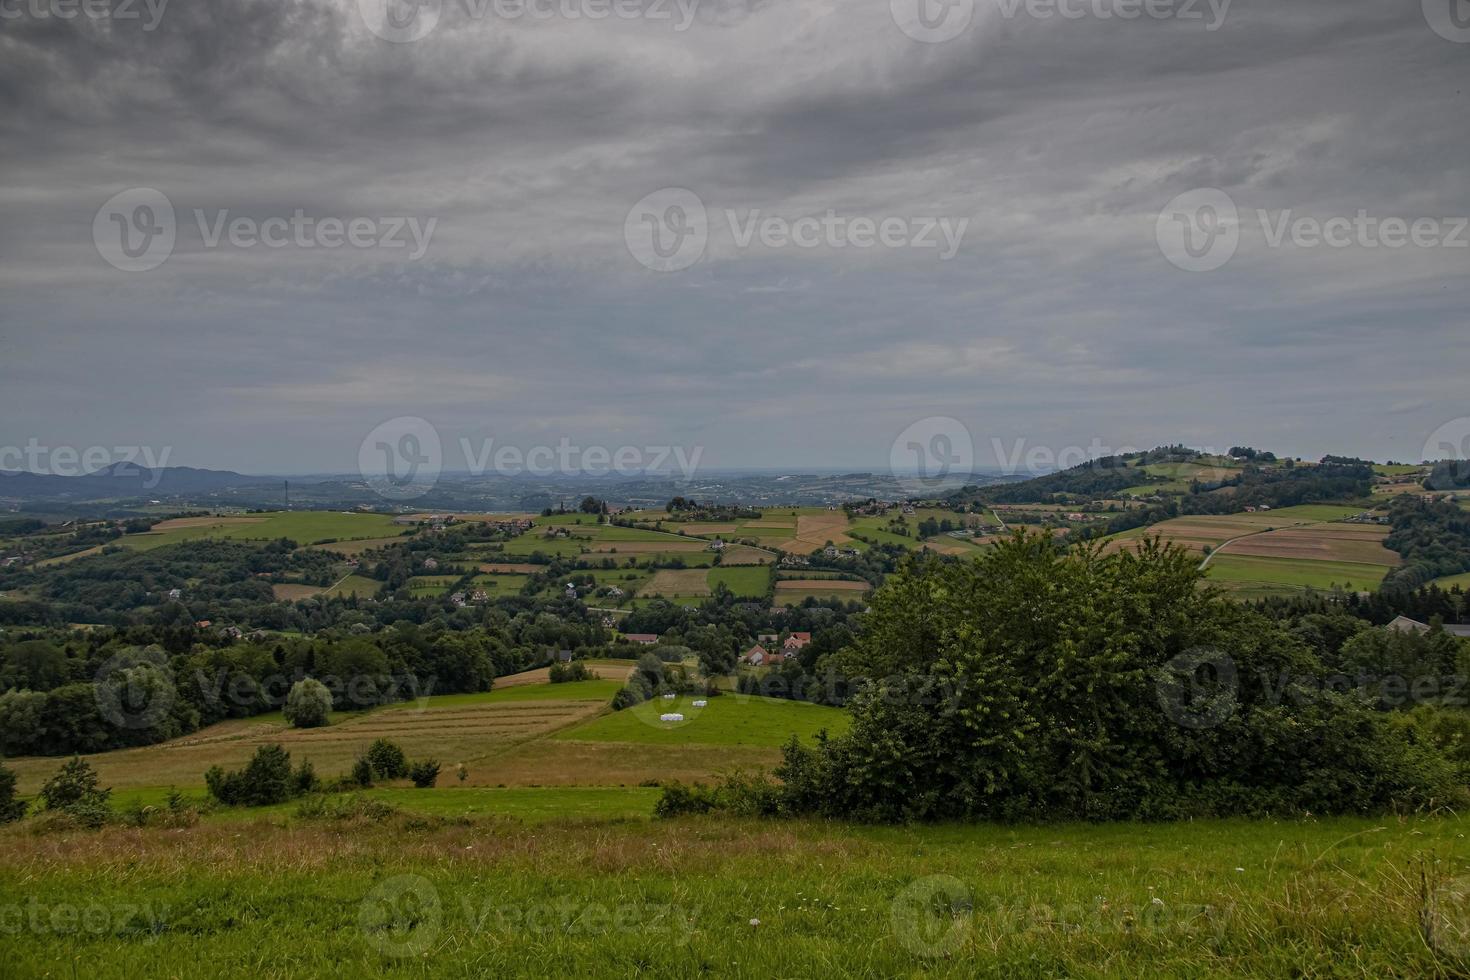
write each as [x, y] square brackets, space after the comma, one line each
[739, 898]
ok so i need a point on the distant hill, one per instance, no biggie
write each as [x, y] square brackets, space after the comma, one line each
[124, 480]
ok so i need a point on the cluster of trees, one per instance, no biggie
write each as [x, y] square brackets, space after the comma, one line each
[661, 672]
[89, 692]
[1433, 538]
[1041, 684]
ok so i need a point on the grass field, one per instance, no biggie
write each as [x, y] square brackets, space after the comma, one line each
[583, 894]
[730, 719]
[304, 527]
[1454, 581]
[1294, 573]
[748, 581]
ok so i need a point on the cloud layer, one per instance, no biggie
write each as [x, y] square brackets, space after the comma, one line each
[527, 139]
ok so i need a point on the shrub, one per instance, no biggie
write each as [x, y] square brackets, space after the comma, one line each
[462, 772]
[308, 704]
[424, 774]
[387, 760]
[265, 780]
[11, 809]
[74, 789]
[574, 671]
[362, 772]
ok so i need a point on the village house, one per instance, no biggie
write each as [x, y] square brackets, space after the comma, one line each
[646, 639]
[795, 642]
[717, 545]
[175, 593]
[480, 595]
[431, 563]
[758, 656]
[1404, 624]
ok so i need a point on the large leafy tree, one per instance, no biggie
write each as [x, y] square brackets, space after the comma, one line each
[1038, 683]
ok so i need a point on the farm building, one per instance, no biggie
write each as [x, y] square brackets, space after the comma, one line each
[1406, 625]
[647, 639]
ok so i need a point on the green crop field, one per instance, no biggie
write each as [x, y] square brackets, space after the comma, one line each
[1461, 581]
[358, 585]
[743, 580]
[730, 719]
[304, 527]
[1295, 573]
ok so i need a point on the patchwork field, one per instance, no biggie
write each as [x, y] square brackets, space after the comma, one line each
[670, 582]
[448, 730]
[1287, 574]
[304, 527]
[748, 581]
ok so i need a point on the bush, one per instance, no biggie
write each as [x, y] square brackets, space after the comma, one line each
[11, 809]
[424, 774]
[387, 760]
[362, 772]
[574, 671]
[73, 789]
[308, 704]
[345, 808]
[265, 780]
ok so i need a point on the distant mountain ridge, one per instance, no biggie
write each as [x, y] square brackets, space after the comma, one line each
[124, 480]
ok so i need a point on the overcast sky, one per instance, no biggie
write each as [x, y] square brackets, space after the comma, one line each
[526, 312]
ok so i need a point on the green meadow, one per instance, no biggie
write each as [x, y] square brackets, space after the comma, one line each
[729, 719]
